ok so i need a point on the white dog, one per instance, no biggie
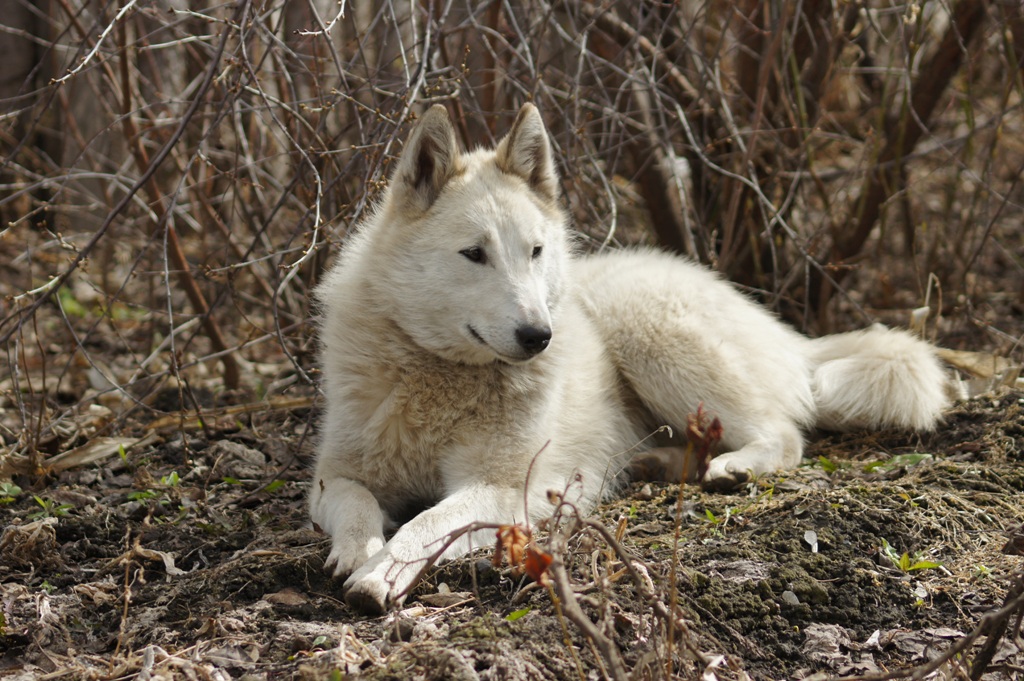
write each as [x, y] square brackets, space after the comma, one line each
[461, 337]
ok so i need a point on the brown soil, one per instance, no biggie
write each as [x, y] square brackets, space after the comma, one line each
[179, 561]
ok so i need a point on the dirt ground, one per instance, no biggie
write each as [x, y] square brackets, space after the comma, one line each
[189, 556]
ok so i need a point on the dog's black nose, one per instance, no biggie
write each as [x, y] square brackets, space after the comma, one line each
[533, 339]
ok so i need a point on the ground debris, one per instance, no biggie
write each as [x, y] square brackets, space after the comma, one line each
[187, 560]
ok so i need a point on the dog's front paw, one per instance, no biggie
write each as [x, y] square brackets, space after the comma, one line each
[371, 589]
[346, 557]
[368, 595]
[381, 582]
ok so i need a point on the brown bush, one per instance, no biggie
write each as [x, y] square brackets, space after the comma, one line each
[174, 180]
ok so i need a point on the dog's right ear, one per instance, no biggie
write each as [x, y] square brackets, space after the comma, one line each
[526, 152]
[430, 157]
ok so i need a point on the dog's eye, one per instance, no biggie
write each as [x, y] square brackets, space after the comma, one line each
[475, 254]
[536, 251]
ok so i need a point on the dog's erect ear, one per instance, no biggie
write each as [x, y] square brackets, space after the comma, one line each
[430, 157]
[526, 152]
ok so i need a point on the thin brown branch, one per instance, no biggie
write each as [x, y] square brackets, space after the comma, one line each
[17, 317]
[562, 584]
[992, 622]
[623, 34]
[1013, 606]
[1013, 15]
[174, 248]
[656, 182]
[902, 135]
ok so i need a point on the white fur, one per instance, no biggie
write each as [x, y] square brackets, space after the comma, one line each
[433, 398]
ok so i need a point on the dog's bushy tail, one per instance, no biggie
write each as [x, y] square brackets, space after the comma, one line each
[877, 378]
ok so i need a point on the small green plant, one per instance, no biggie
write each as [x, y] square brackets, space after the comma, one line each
[274, 485]
[898, 461]
[827, 464]
[768, 493]
[911, 501]
[167, 481]
[905, 562]
[8, 492]
[49, 509]
[717, 523]
[121, 312]
[516, 614]
[70, 304]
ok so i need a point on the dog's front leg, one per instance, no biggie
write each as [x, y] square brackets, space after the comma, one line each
[350, 514]
[392, 571]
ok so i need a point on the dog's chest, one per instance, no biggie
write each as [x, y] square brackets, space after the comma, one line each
[410, 415]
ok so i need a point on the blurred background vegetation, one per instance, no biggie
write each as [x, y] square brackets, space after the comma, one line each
[174, 176]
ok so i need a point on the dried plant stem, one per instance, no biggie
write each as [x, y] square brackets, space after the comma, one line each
[900, 138]
[148, 171]
[562, 585]
[174, 248]
[566, 637]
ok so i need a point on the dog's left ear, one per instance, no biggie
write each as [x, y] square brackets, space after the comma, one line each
[430, 158]
[526, 152]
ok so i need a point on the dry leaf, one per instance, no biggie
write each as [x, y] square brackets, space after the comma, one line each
[95, 450]
[536, 564]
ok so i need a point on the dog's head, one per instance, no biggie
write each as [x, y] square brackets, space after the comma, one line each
[476, 243]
